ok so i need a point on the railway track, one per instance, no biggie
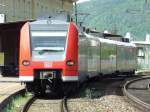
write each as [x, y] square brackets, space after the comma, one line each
[138, 90]
[45, 105]
[95, 101]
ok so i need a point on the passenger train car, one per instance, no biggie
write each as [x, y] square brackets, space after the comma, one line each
[55, 53]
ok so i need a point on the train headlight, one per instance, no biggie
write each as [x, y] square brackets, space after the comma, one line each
[70, 63]
[26, 62]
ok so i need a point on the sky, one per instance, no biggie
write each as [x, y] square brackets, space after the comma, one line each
[80, 1]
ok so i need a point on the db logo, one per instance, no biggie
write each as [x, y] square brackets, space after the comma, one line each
[47, 65]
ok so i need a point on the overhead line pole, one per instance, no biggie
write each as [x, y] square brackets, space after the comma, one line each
[76, 13]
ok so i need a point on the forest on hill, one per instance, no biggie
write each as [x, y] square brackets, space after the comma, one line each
[119, 16]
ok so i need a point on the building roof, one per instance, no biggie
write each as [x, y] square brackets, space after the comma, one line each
[141, 42]
[12, 26]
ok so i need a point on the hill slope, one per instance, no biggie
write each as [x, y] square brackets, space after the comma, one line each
[120, 15]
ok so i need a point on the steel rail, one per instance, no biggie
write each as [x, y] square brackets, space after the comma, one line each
[132, 97]
[64, 105]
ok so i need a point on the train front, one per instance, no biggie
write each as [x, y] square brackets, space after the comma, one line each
[48, 58]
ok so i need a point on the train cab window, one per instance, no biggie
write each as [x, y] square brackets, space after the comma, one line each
[45, 43]
[141, 53]
[48, 39]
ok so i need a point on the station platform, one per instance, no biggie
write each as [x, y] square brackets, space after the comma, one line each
[9, 79]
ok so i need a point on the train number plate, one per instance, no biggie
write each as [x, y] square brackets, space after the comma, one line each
[48, 74]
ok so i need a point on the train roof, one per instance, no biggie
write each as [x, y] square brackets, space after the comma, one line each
[111, 41]
[141, 42]
[61, 17]
[52, 25]
[47, 22]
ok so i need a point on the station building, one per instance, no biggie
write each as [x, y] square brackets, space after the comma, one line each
[18, 10]
[13, 14]
[143, 53]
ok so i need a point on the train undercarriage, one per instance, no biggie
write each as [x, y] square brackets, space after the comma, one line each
[50, 82]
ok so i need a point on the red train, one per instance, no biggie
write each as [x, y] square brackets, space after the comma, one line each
[53, 54]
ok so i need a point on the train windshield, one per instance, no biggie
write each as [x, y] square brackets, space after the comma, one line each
[48, 45]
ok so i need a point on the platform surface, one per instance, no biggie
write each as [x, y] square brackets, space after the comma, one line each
[9, 79]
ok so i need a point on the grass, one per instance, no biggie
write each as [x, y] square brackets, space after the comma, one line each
[87, 91]
[16, 103]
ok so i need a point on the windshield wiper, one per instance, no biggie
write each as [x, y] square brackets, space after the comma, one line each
[49, 50]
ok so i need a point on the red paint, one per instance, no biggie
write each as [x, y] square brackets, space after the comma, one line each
[72, 50]
[71, 54]
[24, 53]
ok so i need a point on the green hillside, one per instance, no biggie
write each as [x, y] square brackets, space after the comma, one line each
[119, 15]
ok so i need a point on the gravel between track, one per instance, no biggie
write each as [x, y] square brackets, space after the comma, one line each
[105, 96]
[45, 105]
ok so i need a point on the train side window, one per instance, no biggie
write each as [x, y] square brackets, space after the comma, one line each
[141, 53]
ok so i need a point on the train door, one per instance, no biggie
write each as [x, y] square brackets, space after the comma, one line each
[108, 58]
[121, 58]
[98, 57]
[82, 58]
[132, 60]
[92, 57]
